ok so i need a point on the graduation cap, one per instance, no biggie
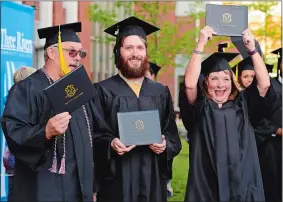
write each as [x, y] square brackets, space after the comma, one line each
[269, 67]
[217, 62]
[278, 52]
[68, 33]
[128, 27]
[131, 26]
[245, 64]
[154, 69]
[238, 42]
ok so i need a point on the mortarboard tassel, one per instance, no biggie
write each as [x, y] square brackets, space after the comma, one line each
[237, 72]
[64, 69]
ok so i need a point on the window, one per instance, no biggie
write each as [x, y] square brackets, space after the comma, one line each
[185, 8]
[38, 56]
[102, 62]
[181, 62]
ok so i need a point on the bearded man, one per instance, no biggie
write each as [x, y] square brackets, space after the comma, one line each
[133, 173]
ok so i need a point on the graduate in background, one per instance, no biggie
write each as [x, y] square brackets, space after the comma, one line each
[152, 74]
[268, 132]
[134, 173]
[269, 142]
[223, 157]
[244, 72]
[152, 71]
[269, 68]
[8, 158]
[53, 153]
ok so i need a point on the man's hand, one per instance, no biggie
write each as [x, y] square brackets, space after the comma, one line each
[159, 148]
[57, 125]
[119, 147]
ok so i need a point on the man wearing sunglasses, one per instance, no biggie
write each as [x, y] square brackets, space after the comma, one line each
[73, 56]
[53, 153]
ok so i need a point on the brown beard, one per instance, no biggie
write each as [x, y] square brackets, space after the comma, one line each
[133, 73]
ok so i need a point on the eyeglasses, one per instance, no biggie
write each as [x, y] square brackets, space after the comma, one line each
[73, 53]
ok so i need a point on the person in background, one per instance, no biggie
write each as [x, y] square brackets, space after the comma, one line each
[8, 158]
[269, 67]
[268, 132]
[152, 74]
[22, 73]
[152, 71]
[245, 73]
[269, 142]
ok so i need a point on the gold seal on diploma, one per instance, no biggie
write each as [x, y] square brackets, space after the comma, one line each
[70, 91]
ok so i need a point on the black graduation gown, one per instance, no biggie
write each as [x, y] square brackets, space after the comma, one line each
[223, 157]
[24, 119]
[139, 175]
[270, 148]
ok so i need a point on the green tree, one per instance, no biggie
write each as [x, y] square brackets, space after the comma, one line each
[164, 44]
[270, 31]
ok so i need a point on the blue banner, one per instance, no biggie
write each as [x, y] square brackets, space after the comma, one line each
[17, 36]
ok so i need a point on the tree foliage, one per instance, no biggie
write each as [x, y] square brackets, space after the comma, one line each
[162, 45]
[165, 44]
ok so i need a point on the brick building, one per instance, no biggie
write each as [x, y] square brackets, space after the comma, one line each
[99, 62]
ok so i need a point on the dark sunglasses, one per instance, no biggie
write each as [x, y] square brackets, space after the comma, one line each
[73, 53]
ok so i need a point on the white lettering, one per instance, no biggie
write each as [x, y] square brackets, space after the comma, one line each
[23, 44]
[15, 43]
[7, 41]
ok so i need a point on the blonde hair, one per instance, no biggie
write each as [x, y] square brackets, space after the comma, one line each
[23, 73]
[235, 85]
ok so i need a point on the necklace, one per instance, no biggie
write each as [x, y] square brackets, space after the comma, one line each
[62, 169]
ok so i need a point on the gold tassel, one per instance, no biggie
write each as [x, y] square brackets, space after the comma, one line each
[237, 72]
[64, 69]
[236, 79]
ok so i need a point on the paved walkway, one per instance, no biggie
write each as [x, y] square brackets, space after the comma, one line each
[181, 128]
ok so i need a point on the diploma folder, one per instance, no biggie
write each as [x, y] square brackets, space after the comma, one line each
[70, 92]
[227, 20]
[139, 128]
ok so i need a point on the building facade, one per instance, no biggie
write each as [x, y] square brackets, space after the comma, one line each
[99, 63]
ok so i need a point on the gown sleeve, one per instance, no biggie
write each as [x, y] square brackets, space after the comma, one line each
[272, 119]
[258, 106]
[24, 134]
[169, 128]
[265, 129]
[102, 136]
[189, 112]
